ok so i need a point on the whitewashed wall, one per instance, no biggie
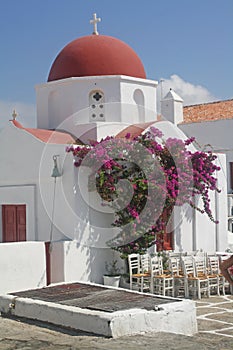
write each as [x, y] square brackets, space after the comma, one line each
[72, 261]
[58, 100]
[26, 173]
[22, 266]
[195, 231]
[218, 134]
[25, 178]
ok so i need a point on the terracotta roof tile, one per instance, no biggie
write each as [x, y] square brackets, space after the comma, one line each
[47, 136]
[208, 111]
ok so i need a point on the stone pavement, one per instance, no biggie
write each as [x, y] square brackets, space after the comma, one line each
[215, 323]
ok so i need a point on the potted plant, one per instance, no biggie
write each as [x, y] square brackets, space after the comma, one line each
[112, 275]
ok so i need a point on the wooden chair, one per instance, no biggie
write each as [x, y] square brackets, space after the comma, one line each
[161, 283]
[145, 263]
[174, 263]
[196, 280]
[216, 279]
[138, 279]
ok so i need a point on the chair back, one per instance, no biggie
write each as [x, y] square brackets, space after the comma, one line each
[187, 264]
[134, 264]
[145, 262]
[213, 264]
[174, 265]
[200, 265]
[156, 265]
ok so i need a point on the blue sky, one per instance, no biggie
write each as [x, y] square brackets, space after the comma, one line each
[187, 43]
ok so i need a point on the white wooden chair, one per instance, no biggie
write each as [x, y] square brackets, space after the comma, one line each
[145, 263]
[174, 265]
[161, 283]
[196, 280]
[138, 279]
[216, 279]
[187, 266]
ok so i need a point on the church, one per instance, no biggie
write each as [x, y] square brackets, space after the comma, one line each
[96, 87]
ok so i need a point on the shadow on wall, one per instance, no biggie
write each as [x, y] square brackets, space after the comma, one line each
[72, 261]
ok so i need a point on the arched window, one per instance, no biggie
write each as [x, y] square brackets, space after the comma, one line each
[96, 106]
[140, 102]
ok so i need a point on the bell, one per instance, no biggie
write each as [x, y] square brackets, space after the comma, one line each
[56, 172]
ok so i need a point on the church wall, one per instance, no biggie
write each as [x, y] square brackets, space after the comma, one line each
[78, 213]
[167, 110]
[56, 200]
[216, 133]
[42, 108]
[206, 230]
[110, 129]
[83, 257]
[29, 176]
[60, 107]
[59, 100]
[172, 110]
[81, 102]
[183, 229]
[195, 231]
[131, 112]
[25, 178]
[222, 236]
[19, 173]
[70, 97]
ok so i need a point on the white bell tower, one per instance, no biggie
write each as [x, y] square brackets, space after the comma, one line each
[172, 107]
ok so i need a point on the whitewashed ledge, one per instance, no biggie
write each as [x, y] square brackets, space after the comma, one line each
[178, 317]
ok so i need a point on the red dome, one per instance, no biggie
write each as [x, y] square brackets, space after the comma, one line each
[96, 55]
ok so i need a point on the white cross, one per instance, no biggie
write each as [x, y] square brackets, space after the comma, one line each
[94, 21]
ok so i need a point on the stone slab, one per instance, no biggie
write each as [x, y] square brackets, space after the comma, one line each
[94, 297]
[111, 312]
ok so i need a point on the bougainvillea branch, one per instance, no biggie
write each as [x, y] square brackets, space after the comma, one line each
[162, 174]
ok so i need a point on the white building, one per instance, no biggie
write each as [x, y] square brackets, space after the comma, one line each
[211, 124]
[96, 87]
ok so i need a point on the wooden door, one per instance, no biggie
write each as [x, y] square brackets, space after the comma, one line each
[168, 241]
[165, 240]
[14, 223]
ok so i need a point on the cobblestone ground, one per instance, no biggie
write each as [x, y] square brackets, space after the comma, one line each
[215, 324]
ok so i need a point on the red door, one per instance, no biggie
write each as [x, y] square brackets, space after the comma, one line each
[165, 240]
[168, 241]
[14, 223]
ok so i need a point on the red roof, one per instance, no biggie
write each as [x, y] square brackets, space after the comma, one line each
[208, 112]
[47, 136]
[134, 130]
[95, 55]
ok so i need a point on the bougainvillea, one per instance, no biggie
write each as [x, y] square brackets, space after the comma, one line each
[143, 178]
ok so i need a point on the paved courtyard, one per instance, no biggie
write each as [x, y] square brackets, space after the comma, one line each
[215, 323]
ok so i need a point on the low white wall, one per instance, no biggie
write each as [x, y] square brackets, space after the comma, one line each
[173, 317]
[72, 262]
[22, 266]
